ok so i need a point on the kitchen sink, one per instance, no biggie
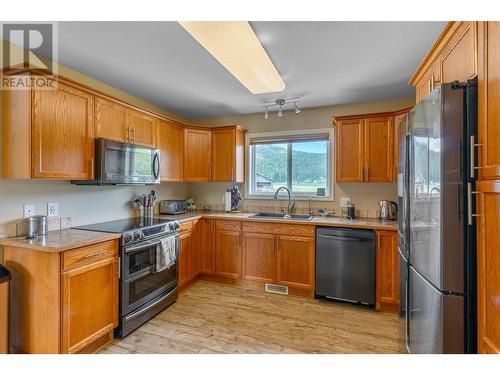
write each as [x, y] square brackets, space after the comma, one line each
[282, 217]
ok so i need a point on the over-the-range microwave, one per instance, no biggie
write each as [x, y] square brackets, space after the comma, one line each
[118, 163]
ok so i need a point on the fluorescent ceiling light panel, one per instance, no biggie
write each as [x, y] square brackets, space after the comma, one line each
[235, 45]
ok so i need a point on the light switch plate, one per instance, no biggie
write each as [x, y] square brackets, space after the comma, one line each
[29, 210]
[52, 209]
[344, 201]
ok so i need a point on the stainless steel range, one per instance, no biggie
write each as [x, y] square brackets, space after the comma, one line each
[144, 290]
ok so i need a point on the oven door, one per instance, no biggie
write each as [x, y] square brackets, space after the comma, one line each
[140, 282]
[123, 163]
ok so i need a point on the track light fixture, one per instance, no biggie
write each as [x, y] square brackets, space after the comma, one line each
[280, 103]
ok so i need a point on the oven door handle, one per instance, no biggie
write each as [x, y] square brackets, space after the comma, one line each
[134, 249]
[142, 311]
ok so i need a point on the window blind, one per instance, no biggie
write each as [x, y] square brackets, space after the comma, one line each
[290, 138]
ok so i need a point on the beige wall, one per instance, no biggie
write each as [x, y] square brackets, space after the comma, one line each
[363, 195]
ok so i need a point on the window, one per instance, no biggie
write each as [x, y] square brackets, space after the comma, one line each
[299, 161]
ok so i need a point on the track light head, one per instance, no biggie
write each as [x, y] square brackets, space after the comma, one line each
[296, 108]
[266, 114]
[280, 112]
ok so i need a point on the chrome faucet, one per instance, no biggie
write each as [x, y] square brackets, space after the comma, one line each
[291, 198]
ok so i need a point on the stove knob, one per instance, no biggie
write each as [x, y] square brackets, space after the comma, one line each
[171, 226]
[137, 236]
[176, 225]
[128, 237]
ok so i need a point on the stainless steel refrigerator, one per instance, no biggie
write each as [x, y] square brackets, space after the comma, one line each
[436, 227]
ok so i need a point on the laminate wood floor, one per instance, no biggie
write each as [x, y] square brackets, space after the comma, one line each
[216, 318]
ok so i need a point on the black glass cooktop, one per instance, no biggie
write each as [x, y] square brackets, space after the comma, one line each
[124, 225]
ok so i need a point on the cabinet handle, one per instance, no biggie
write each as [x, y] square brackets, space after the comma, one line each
[127, 136]
[92, 168]
[434, 82]
[232, 174]
[92, 255]
[469, 203]
[133, 133]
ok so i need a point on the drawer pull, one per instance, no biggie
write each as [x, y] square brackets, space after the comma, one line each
[92, 255]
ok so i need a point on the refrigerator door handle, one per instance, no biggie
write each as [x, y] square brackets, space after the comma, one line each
[473, 167]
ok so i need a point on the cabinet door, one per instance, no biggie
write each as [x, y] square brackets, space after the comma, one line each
[228, 254]
[185, 259]
[110, 120]
[295, 262]
[89, 304]
[458, 58]
[488, 270]
[207, 227]
[399, 122]
[170, 144]
[379, 149]
[488, 98]
[197, 155]
[223, 155]
[387, 271]
[259, 257]
[142, 128]
[197, 248]
[350, 150]
[429, 81]
[62, 134]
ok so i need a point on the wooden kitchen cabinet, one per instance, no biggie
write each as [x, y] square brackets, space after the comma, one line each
[379, 149]
[207, 245]
[142, 128]
[295, 262]
[62, 134]
[170, 143]
[228, 249]
[228, 154]
[488, 260]
[259, 257]
[185, 265]
[453, 57]
[365, 148]
[488, 99]
[350, 150]
[387, 272]
[110, 119]
[197, 155]
[63, 302]
[89, 305]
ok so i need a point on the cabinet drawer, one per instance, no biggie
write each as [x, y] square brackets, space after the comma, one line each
[89, 254]
[185, 227]
[283, 229]
[228, 225]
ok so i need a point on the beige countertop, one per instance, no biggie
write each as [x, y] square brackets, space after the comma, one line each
[317, 220]
[60, 240]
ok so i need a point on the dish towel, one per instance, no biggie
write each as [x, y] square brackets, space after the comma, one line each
[165, 253]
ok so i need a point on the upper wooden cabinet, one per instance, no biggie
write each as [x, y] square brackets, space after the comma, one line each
[48, 134]
[228, 150]
[123, 124]
[488, 100]
[452, 58]
[365, 148]
[399, 132]
[110, 119]
[170, 143]
[197, 154]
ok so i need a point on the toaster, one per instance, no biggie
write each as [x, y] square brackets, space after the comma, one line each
[171, 207]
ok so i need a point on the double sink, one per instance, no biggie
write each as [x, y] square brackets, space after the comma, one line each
[282, 216]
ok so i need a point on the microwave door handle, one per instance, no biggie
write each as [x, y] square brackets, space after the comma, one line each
[156, 165]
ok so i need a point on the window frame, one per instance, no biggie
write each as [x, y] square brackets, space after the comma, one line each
[249, 167]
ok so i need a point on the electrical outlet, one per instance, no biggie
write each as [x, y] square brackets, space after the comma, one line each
[344, 201]
[52, 209]
[29, 210]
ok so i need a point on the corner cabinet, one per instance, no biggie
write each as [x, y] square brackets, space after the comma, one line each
[228, 154]
[365, 148]
[63, 302]
[48, 134]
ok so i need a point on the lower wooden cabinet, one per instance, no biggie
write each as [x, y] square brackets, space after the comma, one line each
[387, 271]
[295, 262]
[488, 266]
[185, 266]
[207, 245]
[63, 302]
[259, 257]
[228, 254]
[89, 304]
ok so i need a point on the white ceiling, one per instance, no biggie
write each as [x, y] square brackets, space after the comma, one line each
[323, 63]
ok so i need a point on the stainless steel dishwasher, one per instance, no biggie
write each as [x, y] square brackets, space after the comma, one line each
[345, 264]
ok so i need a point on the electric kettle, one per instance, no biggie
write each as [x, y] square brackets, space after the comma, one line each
[388, 210]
